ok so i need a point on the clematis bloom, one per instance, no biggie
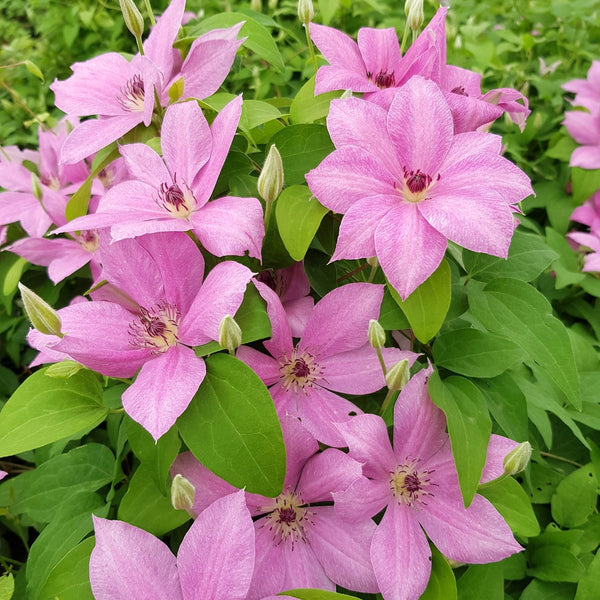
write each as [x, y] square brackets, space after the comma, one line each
[406, 183]
[417, 485]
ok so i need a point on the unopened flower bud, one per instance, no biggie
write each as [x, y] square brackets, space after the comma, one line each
[230, 334]
[63, 369]
[347, 94]
[133, 18]
[414, 14]
[373, 262]
[270, 180]
[306, 11]
[256, 5]
[518, 459]
[397, 377]
[183, 493]
[36, 187]
[42, 316]
[376, 334]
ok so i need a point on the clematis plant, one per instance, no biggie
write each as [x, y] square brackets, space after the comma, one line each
[404, 182]
[415, 481]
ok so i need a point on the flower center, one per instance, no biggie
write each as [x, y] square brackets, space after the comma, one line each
[287, 518]
[132, 95]
[383, 79]
[415, 186]
[89, 240]
[50, 181]
[299, 371]
[410, 485]
[156, 327]
[179, 202]
[459, 90]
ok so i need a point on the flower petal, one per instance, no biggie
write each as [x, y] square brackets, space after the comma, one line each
[380, 50]
[266, 367]
[144, 164]
[281, 341]
[498, 448]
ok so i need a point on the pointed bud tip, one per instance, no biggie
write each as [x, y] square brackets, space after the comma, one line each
[183, 493]
[270, 180]
[306, 11]
[230, 334]
[376, 334]
[518, 459]
[397, 377]
[42, 316]
[133, 18]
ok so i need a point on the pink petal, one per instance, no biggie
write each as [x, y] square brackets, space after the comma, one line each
[356, 238]
[400, 554]
[185, 140]
[343, 549]
[498, 448]
[340, 320]
[326, 473]
[125, 230]
[380, 50]
[161, 393]
[129, 563]
[15, 177]
[297, 312]
[331, 78]
[470, 113]
[586, 157]
[207, 64]
[419, 425]
[408, 248]
[208, 486]
[356, 122]
[145, 165]
[216, 557]
[230, 225]
[583, 127]
[363, 499]
[367, 438]
[420, 126]
[26, 208]
[347, 176]
[472, 143]
[221, 294]
[266, 367]
[280, 342]
[359, 371]
[223, 129]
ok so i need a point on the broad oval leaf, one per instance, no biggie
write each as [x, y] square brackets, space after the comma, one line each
[308, 108]
[46, 409]
[442, 583]
[232, 428]
[575, 498]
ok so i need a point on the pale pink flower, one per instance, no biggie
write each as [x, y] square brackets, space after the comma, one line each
[157, 309]
[417, 485]
[587, 91]
[584, 128]
[300, 541]
[406, 183]
[172, 192]
[333, 355]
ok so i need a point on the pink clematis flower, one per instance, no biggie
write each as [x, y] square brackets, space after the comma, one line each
[584, 128]
[333, 355]
[417, 485]
[162, 309]
[214, 562]
[587, 91]
[300, 541]
[172, 193]
[122, 92]
[406, 184]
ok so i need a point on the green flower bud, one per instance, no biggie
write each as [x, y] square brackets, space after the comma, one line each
[42, 316]
[373, 262]
[414, 14]
[36, 187]
[230, 334]
[256, 5]
[376, 334]
[182, 493]
[306, 11]
[347, 94]
[133, 18]
[63, 369]
[518, 459]
[270, 180]
[397, 377]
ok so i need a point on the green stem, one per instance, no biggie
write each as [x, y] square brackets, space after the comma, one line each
[149, 11]
[372, 274]
[138, 41]
[313, 58]
[381, 361]
[404, 38]
[268, 210]
[386, 401]
[24, 106]
[561, 458]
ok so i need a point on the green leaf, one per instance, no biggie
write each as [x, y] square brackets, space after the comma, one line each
[575, 498]
[542, 590]
[299, 215]
[255, 113]
[517, 311]
[232, 428]
[482, 581]
[528, 256]
[585, 183]
[11, 269]
[43, 491]
[469, 428]
[427, 306]
[70, 578]
[588, 587]
[513, 503]
[259, 38]
[70, 525]
[308, 108]
[7, 586]
[475, 353]
[328, 8]
[302, 148]
[311, 594]
[34, 70]
[157, 457]
[442, 583]
[46, 409]
[144, 506]
[555, 563]
[391, 315]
